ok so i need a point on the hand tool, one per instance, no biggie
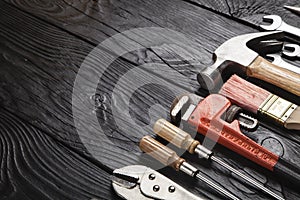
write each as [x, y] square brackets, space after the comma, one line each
[257, 100]
[278, 24]
[169, 157]
[235, 53]
[293, 8]
[292, 50]
[207, 116]
[183, 140]
[143, 183]
[277, 60]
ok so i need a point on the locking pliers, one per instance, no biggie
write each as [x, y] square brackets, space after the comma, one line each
[143, 183]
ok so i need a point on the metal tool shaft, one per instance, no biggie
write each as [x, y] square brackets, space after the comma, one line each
[247, 178]
[169, 157]
[183, 140]
[216, 187]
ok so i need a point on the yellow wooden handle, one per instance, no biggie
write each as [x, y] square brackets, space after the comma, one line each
[283, 78]
[160, 152]
[175, 135]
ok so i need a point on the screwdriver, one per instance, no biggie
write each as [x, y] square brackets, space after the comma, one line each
[183, 140]
[169, 157]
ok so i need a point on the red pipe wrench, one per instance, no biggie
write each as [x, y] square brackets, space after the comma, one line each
[208, 116]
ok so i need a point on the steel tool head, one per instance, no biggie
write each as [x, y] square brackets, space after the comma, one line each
[234, 52]
[268, 47]
[275, 58]
[275, 21]
[293, 9]
[291, 50]
[182, 104]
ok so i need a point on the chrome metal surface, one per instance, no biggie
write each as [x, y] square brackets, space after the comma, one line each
[247, 178]
[277, 60]
[147, 184]
[278, 24]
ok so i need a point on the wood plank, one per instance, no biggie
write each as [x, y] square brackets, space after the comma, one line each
[40, 71]
[250, 11]
[34, 166]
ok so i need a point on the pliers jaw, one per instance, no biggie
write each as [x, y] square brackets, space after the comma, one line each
[126, 182]
[143, 183]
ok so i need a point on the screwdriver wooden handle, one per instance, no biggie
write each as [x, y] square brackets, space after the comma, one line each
[283, 78]
[160, 152]
[175, 135]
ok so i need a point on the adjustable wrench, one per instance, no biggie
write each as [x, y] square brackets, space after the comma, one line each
[277, 60]
[278, 24]
[292, 50]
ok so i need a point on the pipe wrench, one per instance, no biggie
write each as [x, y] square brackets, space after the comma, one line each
[143, 183]
[209, 115]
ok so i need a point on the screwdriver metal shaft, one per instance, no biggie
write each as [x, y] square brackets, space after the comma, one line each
[169, 157]
[247, 178]
[184, 140]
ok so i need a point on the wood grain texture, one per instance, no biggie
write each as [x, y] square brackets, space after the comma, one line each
[41, 61]
[251, 11]
[48, 68]
[34, 166]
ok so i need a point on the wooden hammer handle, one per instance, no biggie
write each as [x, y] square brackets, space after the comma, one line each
[175, 135]
[283, 78]
[160, 152]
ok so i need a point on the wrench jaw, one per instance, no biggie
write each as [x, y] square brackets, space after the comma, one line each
[291, 50]
[181, 105]
[275, 21]
[275, 59]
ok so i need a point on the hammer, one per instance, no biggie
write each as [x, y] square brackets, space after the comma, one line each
[237, 54]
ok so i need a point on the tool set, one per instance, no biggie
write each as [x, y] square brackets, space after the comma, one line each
[248, 62]
[169, 157]
[220, 117]
[183, 140]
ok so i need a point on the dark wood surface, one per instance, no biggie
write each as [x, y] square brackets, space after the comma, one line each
[44, 43]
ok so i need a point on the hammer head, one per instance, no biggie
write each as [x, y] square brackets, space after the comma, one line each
[237, 53]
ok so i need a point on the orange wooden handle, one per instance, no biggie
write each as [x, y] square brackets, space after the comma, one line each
[175, 135]
[160, 152]
[283, 78]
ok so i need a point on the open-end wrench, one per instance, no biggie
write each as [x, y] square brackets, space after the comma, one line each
[292, 50]
[277, 60]
[278, 24]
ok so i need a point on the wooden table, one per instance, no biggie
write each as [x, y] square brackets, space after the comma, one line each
[43, 45]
